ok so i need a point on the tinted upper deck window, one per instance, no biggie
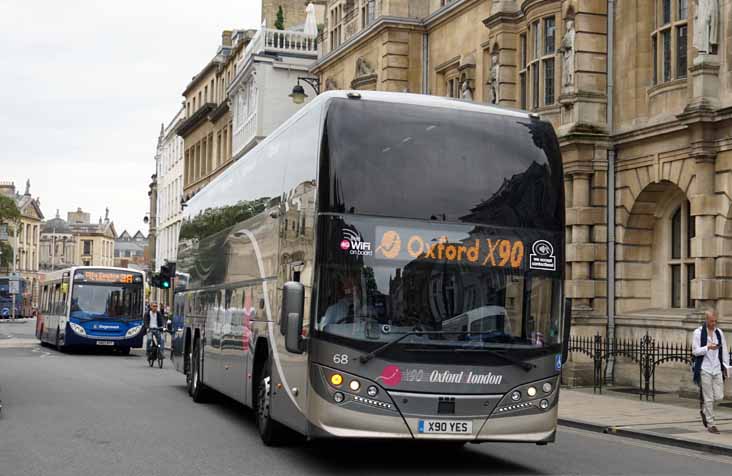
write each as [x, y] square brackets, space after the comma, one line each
[400, 160]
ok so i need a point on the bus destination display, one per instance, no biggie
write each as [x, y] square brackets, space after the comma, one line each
[509, 252]
[115, 277]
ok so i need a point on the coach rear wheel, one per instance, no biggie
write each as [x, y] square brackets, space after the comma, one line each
[189, 373]
[198, 388]
[272, 433]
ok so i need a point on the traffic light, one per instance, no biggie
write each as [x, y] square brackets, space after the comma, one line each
[167, 273]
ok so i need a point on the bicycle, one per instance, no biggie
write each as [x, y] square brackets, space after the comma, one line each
[156, 351]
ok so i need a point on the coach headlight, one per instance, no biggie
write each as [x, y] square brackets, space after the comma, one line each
[133, 331]
[77, 328]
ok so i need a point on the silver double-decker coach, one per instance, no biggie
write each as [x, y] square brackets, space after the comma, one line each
[383, 265]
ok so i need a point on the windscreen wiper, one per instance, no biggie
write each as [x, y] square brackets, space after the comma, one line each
[524, 365]
[365, 358]
[502, 355]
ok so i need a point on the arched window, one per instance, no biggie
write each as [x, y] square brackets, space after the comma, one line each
[681, 264]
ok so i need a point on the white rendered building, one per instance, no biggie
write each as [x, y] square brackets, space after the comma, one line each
[265, 75]
[169, 169]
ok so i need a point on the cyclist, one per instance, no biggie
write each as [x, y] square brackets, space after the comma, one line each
[153, 322]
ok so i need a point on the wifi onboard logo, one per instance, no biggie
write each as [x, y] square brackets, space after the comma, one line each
[354, 244]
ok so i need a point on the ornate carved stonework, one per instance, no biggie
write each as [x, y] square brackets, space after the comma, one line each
[493, 80]
[363, 67]
[706, 25]
[467, 76]
[567, 51]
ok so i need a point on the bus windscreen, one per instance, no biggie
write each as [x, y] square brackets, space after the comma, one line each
[106, 294]
[465, 286]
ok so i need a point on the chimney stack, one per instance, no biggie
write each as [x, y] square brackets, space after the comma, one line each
[226, 38]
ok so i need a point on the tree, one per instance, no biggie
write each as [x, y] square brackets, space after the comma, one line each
[6, 255]
[9, 214]
[280, 21]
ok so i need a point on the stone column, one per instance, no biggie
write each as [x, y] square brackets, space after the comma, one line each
[580, 252]
[395, 61]
[704, 208]
[503, 32]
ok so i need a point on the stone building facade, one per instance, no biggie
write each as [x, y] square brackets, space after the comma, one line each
[129, 250]
[77, 241]
[293, 12]
[207, 127]
[26, 236]
[640, 94]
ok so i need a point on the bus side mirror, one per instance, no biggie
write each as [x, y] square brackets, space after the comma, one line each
[293, 304]
[566, 329]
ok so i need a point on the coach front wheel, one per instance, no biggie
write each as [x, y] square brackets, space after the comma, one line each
[272, 433]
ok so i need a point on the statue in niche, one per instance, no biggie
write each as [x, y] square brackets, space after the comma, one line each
[706, 25]
[567, 51]
[330, 84]
[363, 68]
[494, 76]
[465, 92]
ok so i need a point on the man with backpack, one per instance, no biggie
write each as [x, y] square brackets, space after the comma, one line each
[711, 364]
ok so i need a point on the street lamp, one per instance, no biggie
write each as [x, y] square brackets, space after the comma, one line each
[298, 92]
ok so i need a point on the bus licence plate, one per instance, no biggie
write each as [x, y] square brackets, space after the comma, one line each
[105, 342]
[453, 427]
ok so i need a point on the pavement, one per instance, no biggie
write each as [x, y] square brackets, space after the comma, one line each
[99, 413]
[18, 332]
[675, 421]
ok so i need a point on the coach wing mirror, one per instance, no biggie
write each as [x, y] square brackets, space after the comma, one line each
[293, 304]
[566, 329]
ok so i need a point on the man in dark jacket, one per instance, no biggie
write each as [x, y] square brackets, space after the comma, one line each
[153, 322]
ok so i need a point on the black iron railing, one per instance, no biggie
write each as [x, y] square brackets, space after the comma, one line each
[645, 352]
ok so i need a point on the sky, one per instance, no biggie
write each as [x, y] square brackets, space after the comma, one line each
[84, 87]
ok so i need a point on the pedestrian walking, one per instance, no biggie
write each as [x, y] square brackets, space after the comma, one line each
[711, 366]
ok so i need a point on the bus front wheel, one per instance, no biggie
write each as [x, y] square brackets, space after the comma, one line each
[59, 344]
[272, 433]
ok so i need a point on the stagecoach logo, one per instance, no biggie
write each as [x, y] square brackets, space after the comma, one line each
[354, 245]
[542, 256]
[392, 376]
